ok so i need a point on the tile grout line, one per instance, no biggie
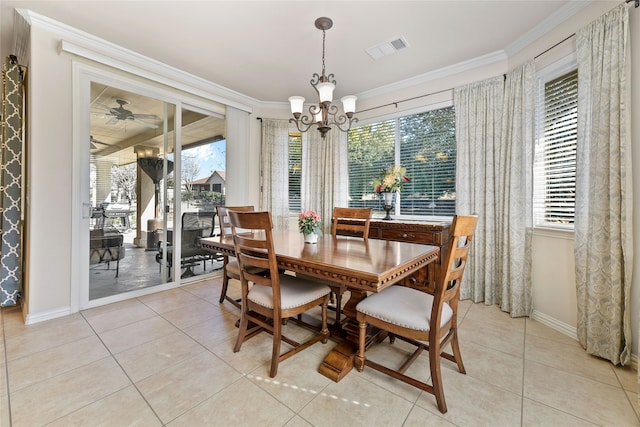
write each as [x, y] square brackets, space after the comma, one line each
[123, 370]
[524, 354]
[6, 364]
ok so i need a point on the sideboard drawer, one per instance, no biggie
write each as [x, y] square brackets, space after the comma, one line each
[410, 236]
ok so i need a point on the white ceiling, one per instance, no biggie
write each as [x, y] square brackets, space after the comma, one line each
[269, 50]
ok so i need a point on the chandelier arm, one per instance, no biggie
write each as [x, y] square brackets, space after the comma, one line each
[351, 121]
[314, 82]
[304, 120]
[314, 109]
[333, 109]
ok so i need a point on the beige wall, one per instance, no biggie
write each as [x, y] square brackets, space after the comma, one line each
[50, 154]
[50, 134]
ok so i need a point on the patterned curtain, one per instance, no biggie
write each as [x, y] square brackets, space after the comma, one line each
[275, 171]
[494, 178]
[325, 175]
[478, 116]
[515, 192]
[603, 222]
[11, 183]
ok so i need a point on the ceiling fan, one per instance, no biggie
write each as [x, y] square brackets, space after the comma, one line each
[120, 113]
[93, 143]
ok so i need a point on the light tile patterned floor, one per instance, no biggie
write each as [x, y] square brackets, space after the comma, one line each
[167, 359]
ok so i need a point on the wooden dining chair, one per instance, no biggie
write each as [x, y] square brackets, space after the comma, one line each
[273, 297]
[230, 267]
[427, 321]
[348, 222]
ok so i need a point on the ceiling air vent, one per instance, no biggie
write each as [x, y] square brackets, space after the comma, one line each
[387, 48]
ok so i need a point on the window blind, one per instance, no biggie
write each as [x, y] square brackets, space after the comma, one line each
[371, 149]
[295, 171]
[425, 145]
[428, 151]
[556, 157]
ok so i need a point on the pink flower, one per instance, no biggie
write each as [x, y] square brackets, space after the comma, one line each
[309, 222]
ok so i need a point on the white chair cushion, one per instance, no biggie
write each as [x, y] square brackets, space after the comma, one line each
[294, 292]
[402, 306]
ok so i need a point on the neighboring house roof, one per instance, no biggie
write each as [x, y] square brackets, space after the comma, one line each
[200, 181]
[206, 180]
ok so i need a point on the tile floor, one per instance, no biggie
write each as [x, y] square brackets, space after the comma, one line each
[167, 359]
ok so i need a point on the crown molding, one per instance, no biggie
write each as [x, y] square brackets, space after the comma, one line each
[480, 61]
[551, 23]
[88, 46]
[440, 73]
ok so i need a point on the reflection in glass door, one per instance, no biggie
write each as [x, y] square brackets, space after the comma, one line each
[130, 172]
[146, 221]
[201, 185]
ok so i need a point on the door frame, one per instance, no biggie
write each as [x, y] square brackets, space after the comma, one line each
[83, 75]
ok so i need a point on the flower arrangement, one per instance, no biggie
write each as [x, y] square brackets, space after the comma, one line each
[309, 222]
[391, 180]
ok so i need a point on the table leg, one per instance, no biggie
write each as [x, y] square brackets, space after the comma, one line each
[340, 359]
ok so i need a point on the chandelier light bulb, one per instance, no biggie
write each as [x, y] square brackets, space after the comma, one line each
[297, 104]
[349, 104]
[325, 90]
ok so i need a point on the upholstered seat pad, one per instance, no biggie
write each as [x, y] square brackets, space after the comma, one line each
[294, 292]
[402, 306]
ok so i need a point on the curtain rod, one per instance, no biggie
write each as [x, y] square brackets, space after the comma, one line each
[637, 4]
[558, 44]
[405, 100]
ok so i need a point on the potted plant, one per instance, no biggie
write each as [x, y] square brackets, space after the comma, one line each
[310, 224]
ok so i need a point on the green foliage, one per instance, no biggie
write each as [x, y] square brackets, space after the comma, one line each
[428, 151]
[187, 196]
[370, 151]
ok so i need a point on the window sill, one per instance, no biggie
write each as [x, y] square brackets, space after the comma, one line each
[556, 233]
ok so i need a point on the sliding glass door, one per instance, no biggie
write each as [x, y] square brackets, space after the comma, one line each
[155, 174]
[129, 173]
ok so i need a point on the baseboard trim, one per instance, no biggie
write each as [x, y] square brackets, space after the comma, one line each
[46, 315]
[568, 330]
[555, 324]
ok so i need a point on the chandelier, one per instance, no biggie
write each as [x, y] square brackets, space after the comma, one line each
[325, 114]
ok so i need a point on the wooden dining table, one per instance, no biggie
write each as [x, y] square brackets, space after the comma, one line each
[362, 266]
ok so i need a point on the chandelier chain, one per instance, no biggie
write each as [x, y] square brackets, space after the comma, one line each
[324, 33]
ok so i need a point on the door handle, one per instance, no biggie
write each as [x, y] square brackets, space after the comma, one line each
[86, 210]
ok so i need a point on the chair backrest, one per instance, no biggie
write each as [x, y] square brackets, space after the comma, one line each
[462, 230]
[223, 217]
[358, 226]
[202, 220]
[253, 240]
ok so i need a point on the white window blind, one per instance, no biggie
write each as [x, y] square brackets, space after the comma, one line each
[371, 149]
[428, 151]
[555, 171]
[295, 171]
[424, 144]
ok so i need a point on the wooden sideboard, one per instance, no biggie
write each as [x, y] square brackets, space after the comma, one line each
[434, 233]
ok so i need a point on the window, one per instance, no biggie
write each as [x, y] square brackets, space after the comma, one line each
[424, 144]
[555, 163]
[295, 171]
